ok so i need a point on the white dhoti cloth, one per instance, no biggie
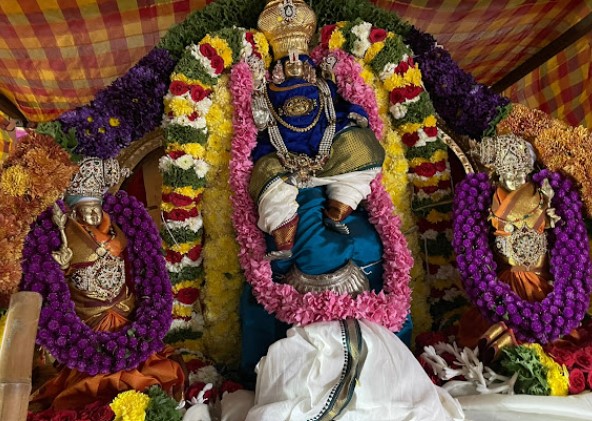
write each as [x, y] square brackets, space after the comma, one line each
[346, 371]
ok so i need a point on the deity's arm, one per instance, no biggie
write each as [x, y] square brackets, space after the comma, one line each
[354, 112]
[276, 205]
[351, 188]
[64, 254]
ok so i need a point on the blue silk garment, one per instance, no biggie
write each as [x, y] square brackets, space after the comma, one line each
[317, 250]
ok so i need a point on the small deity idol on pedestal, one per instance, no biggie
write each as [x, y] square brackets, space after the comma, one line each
[94, 258]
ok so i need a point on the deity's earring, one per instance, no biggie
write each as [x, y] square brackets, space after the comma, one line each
[278, 75]
[327, 68]
[310, 73]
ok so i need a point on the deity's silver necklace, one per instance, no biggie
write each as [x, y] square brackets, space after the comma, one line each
[302, 166]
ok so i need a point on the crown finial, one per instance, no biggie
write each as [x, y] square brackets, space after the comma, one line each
[288, 25]
[94, 178]
[507, 153]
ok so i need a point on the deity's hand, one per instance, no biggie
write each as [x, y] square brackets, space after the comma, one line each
[360, 120]
[553, 218]
[547, 190]
[63, 256]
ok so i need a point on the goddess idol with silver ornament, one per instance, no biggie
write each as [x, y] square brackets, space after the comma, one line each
[105, 295]
[520, 213]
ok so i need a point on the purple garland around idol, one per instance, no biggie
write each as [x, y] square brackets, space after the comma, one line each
[63, 333]
[561, 310]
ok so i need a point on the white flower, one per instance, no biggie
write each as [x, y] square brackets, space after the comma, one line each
[201, 167]
[200, 396]
[165, 163]
[424, 138]
[193, 223]
[186, 261]
[451, 293]
[446, 272]
[362, 31]
[202, 107]
[198, 123]
[194, 49]
[184, 162]
[207, 374]
[360, 48]
[429, 235]
[398, 111]
[247, 48]
[195, 324]
[387, 70]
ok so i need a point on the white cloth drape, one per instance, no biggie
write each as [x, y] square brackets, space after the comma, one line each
[295, 379]
[528, 408]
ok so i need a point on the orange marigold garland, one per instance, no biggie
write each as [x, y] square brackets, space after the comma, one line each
[31, 179]
[559, 146]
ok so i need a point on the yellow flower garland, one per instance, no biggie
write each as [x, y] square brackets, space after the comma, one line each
[221, 292]
[396, 183]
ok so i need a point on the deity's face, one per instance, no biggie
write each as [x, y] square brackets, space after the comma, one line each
[513, 180]
[89, 213]
[294, 68]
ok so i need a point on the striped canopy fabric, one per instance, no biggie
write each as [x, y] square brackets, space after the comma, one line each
[56, 54]
[489, 38]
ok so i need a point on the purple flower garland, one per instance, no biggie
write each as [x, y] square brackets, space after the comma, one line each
[561, 310]
[63, 333]
[468, 107]
[125, 111]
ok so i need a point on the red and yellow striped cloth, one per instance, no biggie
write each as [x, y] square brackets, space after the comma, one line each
[56, 54]
[489, 38]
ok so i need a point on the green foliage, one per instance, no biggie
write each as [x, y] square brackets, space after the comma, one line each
[178, 177]
[187, 273]
[161, 406]
[417, 111]
[502, 112]
[532, 375]
[179, 335]
[214, 17]
[234, 38]
[184, 134]
[331, 11]
[193, 69]
[179, 235]
[393, 47]
[426, 151]
[66, 140]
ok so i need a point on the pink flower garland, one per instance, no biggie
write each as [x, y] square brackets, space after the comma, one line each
[352, 86]
[388, 308]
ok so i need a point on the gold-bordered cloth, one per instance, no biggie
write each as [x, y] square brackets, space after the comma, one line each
[354, 149]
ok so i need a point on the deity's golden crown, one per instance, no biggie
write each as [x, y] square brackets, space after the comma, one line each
[287, 25]
[95, 177]
[507, 153]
